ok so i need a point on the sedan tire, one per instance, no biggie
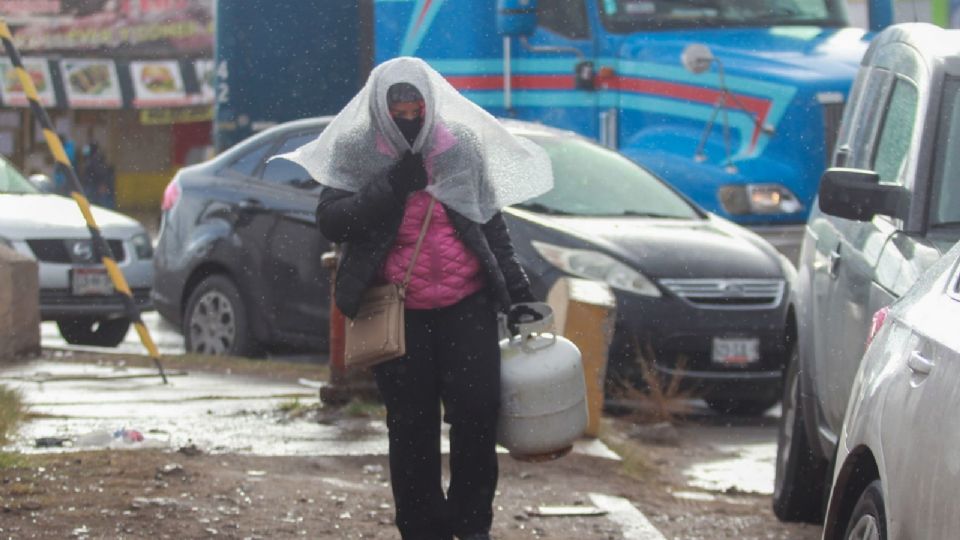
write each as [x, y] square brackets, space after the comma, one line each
[798, 488]
[869, 518]
[216, 320]
[91, 331]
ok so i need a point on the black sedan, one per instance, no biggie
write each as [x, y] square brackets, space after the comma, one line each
[238, 263]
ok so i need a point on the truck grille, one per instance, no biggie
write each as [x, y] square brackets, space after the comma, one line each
[728, 293]
[59, 251]
[832, 114]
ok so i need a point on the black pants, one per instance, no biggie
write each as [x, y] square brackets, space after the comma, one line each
[452, 356]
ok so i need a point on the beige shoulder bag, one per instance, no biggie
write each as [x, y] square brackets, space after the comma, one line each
[377, 333]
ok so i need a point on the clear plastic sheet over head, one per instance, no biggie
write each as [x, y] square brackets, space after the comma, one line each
[475, 166]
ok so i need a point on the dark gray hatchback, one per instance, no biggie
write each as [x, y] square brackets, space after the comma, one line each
[238, 263]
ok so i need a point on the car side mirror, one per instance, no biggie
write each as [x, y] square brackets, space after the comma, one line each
[858, 195]
[42, 182]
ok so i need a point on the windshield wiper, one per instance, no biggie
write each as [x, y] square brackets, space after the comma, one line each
[635, 213]
[542, 209]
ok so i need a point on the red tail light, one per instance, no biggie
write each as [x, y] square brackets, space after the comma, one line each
[878, 319]
[170, 195]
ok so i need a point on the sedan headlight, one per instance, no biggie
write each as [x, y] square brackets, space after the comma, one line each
[142, 246]
[595, 265]
[758, 199]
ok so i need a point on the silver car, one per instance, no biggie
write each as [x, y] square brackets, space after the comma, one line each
[75, 290]
[897, 461]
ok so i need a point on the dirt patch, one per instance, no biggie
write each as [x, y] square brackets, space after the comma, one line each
[154, 494]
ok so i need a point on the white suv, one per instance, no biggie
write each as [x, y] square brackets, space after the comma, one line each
[75, 290]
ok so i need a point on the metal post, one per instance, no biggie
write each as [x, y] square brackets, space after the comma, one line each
[507, 75]
[101, 249]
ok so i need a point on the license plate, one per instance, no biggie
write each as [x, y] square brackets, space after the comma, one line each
[736, 351]
[90, 281]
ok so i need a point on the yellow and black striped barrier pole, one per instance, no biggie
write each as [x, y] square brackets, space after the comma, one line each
[101, 249]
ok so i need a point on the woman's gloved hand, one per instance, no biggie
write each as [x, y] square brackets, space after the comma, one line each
[521, 295]
[521, 314]
[408, 175]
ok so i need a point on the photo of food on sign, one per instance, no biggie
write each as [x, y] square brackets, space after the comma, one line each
[158, 79]
[12, 87]
[157, 82]
[11, 81]
[91, 83]
[93, 79]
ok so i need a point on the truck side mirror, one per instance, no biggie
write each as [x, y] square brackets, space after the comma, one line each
[516, 18]
[858, 195]
[696, 58]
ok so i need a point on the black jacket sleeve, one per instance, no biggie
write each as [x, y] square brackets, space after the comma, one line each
[343, 216]
[499, 239]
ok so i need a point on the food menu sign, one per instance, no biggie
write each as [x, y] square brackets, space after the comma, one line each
[91, 83]
[12, 90]
[157, 84]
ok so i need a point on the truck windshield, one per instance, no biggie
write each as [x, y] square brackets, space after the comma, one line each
[625, 16]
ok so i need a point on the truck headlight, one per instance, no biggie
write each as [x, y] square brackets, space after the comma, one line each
[743, 199]
[598, 266]
[142, 246]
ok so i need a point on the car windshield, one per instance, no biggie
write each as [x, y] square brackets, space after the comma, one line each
[11, 181]
[590, 180]
[625, 16]
[946, 208]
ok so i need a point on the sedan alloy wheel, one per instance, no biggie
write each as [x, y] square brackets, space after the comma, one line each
[216, 320]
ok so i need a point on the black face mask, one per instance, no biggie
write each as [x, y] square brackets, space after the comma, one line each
[410, 128]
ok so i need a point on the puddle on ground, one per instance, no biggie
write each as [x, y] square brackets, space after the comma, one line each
[750, 467]
[85, 405]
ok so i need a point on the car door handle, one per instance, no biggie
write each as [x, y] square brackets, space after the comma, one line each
[833, 265]
[250, 205]
[919, 365]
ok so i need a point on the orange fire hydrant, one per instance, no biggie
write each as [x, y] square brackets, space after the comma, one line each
[344, 384]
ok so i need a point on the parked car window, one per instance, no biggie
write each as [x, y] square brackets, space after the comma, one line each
[590, 180]
[283, 171]
[565, 17]
[947, 183]
[896, 134]
[11, 181]
[246, 165]
[855, 148]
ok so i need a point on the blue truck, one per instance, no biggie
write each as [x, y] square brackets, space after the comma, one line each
[734, 102]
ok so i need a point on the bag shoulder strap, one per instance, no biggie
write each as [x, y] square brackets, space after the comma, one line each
[416, 250]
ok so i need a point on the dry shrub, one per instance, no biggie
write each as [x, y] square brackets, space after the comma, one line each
[12, 412]
[658, 398]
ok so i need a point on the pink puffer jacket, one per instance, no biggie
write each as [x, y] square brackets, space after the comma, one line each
[445, 271]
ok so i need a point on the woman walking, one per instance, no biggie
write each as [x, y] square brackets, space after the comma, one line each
[406, 146]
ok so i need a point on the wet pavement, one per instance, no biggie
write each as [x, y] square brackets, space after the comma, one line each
[89, 405]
